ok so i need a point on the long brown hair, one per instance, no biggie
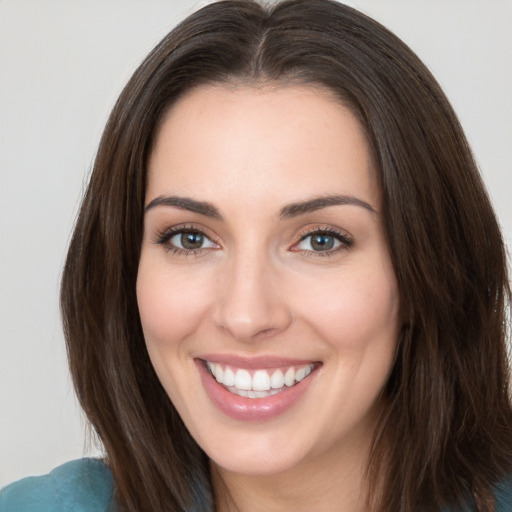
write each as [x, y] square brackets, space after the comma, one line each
[445, 436]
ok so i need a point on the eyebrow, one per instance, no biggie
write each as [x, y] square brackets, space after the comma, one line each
[185, 203]
[317, 203]
[289, 211]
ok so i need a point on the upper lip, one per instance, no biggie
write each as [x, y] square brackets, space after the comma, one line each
[255, 362]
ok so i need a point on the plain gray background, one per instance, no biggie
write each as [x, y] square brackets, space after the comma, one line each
[62, 65]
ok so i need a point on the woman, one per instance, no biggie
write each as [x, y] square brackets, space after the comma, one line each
[286, 288]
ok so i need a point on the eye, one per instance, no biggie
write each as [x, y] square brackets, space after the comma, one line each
[185, 240]
[319, 242]
[190, 240]
[323, 241]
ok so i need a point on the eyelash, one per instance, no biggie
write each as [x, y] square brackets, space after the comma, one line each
[346, 242]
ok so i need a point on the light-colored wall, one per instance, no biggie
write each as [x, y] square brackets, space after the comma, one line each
[62, 64]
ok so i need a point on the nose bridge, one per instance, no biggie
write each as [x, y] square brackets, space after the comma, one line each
[249, 302]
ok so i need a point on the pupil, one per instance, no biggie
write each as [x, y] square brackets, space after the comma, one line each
[191, 240]
[322, 242]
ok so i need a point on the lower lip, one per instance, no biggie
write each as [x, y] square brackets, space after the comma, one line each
[251, 409]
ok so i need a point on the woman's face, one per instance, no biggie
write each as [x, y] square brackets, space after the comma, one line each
[264, 262]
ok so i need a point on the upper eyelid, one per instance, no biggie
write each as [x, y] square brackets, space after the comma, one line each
[180, 228]
[324, 229]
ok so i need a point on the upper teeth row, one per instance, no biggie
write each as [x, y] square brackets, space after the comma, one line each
[261, 380]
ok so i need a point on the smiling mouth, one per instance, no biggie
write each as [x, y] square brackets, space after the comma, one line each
[258, 383]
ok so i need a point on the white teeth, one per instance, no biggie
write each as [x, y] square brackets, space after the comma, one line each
[218, 372]
[242, 380]
[229, 377]
[289, 377]
[300, 374]
[261, 381]
[253, 394]
[277, 380]
[260, 384]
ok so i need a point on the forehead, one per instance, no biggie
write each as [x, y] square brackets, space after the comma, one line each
[245, 140]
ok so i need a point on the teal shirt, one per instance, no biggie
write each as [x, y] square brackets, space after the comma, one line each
[504, 496]
[86, 485]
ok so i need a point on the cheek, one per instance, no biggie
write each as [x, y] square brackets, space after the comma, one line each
[170, 304]
[356, 310]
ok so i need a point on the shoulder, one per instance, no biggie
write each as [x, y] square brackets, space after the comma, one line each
[503, 494]
[84, 485]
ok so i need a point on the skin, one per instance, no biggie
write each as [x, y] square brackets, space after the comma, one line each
[257, 286]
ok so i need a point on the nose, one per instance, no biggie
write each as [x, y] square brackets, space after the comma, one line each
[251, 304]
